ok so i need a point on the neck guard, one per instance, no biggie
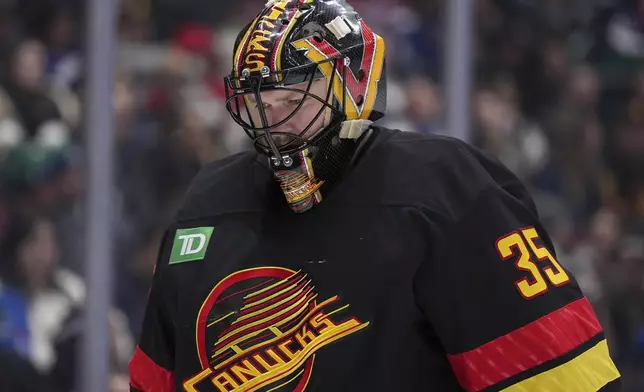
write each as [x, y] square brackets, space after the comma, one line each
[314, 169]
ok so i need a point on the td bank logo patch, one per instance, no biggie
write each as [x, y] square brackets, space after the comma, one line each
[190, 244]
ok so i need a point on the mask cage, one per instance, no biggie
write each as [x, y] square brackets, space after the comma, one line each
[241, 89]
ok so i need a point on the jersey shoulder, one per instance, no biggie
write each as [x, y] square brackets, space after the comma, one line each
[437, 172]
[222, 186]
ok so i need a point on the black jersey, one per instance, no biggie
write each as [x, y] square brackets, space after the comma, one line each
[425, 269]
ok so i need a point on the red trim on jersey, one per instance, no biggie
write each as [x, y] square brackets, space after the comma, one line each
[147, 376]
[531, 345]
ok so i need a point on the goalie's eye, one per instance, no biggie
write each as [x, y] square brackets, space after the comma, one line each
[294, 102]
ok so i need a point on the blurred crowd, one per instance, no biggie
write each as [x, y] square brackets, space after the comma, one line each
[558, 97]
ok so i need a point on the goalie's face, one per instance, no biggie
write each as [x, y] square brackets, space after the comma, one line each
[289, 114]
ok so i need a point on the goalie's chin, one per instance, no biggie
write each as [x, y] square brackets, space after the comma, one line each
[289, 141]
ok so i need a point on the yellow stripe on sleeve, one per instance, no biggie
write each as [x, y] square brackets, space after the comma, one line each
[589, 371]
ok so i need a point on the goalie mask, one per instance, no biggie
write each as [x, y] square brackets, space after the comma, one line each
[308, 79]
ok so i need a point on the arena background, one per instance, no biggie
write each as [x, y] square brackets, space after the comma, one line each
[554, 88]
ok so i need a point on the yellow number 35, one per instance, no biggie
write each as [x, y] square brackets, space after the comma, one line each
[516, 244]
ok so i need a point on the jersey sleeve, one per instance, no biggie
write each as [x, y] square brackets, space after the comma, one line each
[508, 315]
[152, 364]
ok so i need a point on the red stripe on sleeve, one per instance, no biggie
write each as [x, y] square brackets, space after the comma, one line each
[147, 376]
[531, 345]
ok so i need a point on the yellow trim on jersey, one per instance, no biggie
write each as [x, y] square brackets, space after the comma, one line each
[589, 371]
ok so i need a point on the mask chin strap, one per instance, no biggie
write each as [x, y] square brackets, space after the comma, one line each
[301, 186]
[350, 129]
[353, 129]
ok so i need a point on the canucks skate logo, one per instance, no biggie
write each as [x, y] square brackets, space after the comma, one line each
[259, 329]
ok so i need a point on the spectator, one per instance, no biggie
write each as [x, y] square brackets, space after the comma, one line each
[19, 375]
[28, 91]
[37, 294]
[501, 130]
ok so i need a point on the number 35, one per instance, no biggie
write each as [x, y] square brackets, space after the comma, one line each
[516, 244]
